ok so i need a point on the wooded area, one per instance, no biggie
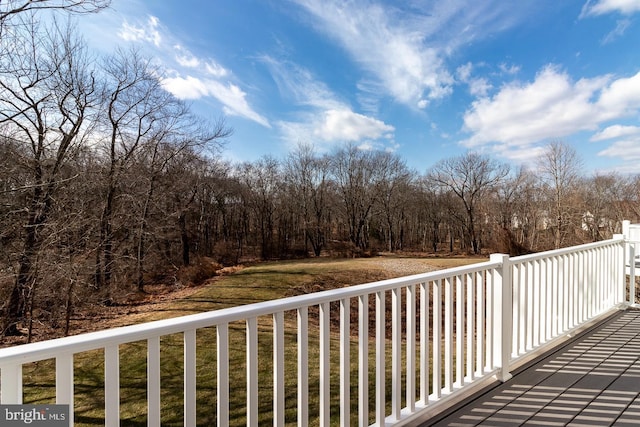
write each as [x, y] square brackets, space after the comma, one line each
[108, 184]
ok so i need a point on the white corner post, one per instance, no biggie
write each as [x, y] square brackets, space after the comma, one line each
[632, 273]
[630, 257]
[503, 323]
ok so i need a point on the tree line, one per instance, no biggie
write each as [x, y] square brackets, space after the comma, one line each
[108, 184]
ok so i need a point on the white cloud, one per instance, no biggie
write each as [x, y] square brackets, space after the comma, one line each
[345, 125]
[464, 71]
[231, 96]
[509, 69]
[215, 69]
[191, 76]
[299, 85]
[185, 58]
[522, 115]
[478, 86]
[618, 31]
[622, 97]
[147, 31]
[615, 131]
[325, 117]
[403, 50]
[601, 7]
[628, 149]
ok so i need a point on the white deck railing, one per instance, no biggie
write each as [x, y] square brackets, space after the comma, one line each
[451, 332]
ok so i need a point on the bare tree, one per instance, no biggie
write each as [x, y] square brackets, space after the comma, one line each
[12, 9]
[262, 184]
[517, 212]
[603, 196]
[47, 92]
[470, 177]
[9, 8]
[136, 113]
[175, 152]
[559, 170]
[308, 176]
[357, 177]
[394, 186]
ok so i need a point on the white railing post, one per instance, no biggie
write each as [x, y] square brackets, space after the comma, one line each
[632, 273]
[503, 303]
[630, 256]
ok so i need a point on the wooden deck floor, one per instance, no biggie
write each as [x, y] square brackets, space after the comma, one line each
[593, 380]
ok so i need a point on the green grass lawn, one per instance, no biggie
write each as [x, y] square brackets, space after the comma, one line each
[261, 282]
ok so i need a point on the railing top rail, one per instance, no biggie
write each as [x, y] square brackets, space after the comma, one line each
[27, 353]
[565, 251]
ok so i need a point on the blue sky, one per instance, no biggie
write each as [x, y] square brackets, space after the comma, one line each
[424, 79]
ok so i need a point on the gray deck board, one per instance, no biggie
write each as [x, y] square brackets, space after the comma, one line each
[594, 380]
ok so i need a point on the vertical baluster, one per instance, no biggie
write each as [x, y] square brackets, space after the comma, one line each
[489, 299]
[590, 294]
[325, 387]
[581, 288]
[64, 383]
[111, 386]
[380, 358]
[153, 382]
[531, 327]
[565, 292]
[534, 278]
[278, 369]
[554, 296]
[11, 384]
[460, 356]
[363, 360]
[411, 348]
[480, 322]
[222, 341]
[424, 343]
[437, 338]
[252, 371]
[303, 367]
[598, 281]
[471, 319]
[572, 290]
[561, 289]
[544, 302]
[396, 353]
[190, 377]
[525, 308]
[448, 335]
[579, 291]
[345, 362]
[517, 307]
